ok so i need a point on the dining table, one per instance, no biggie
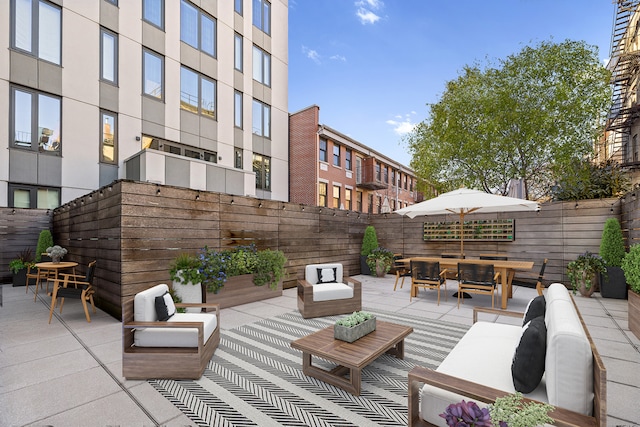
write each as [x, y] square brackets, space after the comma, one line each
[51, 270]
[506, 268]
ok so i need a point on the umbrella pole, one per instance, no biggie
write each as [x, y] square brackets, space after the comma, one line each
[461, 234]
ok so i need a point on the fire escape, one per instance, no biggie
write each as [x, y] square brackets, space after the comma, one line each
[625, 70]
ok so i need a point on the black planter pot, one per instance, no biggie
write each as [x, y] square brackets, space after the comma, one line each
[364, 268]
[614, 285]
[20, 278]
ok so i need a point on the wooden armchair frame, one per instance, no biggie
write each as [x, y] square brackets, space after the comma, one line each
[81, 289]
[480, 393]
[427, 275]
[310, 308]
[167, 362]
[477, 279]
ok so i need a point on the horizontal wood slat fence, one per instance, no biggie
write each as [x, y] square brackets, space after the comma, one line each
[134, 230]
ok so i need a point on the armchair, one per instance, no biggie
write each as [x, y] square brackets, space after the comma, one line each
[427, 275]
[477, 279]
[81, 289]
[324, 291]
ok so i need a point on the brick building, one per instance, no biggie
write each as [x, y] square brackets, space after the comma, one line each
[327, 168]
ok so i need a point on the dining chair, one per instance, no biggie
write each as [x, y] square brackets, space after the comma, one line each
[539, 284]
[41, 276]
[401, 270]
[427, 275]
[452, 273]
[477, 279]
[81, 289]
[494, 257]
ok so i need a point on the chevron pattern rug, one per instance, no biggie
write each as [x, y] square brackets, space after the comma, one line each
[255, 378]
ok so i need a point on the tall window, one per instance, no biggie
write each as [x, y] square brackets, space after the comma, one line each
[347, 160]
[261, 66]
[348, 203]
[262, 169]
[197, 29]
[393, 177]
[37, 29]
[237, 6]
[33, 197]
[336, 155]
[261, 119]
[237, 158]
[262, 15]
[237, 109]
[237, 52]
[322, 194]
[378, 172]
[153, 12]
[108, 140]
[197, 93]
[336, 196]
[36, 120]
[153, 74]
[108, 56]
[323, 150]
[359, 201]
[385, 174]
[370, 209]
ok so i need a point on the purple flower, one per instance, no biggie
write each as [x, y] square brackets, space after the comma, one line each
[466, 414]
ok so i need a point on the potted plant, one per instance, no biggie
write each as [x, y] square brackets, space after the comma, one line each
[354, 326]
[380, 260]
[631, 268]
[369, 243]
[583, 270]
[186, 273]
[56, 253]
[612, 251]
[19, 266]
[45, 240]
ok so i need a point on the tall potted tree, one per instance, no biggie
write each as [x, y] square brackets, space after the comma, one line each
[631, 268]
[613, 284]
[369, 243]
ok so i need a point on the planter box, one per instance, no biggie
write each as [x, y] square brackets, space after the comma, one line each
[239, 290]
[344, 333]
[20, 278]
[634, 313]
[614, 285]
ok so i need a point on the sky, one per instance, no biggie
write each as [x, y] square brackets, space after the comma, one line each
[374, 66]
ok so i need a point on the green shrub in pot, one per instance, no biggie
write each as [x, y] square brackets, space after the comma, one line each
[612, 252]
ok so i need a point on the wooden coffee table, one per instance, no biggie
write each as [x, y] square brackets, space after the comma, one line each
[350, 358]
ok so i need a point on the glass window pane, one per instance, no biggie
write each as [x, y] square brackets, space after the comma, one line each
[257, 118]
[208, 98]
[47, 198]
[267, 121]
[257, 64]
[188, 24]
[49, 33]
[238, 6]
[48, 123]
[188, 90]
[257, 13]
[21, 199]
[237, 110]
[257, 169]
[108, 57]
[267, 69]
[152, 12]
[267, 173]
[266, 18]
[22, 117]
[24, 25]
[237, 52]
[152, 75]
[108, 139]
[208, 35]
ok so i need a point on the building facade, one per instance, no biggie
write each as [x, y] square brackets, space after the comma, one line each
[330, 169]
[621, 142]
[191, 93]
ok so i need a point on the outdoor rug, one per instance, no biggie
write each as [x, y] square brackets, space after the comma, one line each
[255, 378]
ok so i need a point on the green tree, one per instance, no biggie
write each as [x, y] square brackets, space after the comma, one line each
[525, 118]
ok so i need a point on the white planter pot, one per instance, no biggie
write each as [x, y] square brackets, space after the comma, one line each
[188, 292]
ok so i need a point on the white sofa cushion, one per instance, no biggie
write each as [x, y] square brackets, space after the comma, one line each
[144, 310]
[331, 291]
[332, 287]
[569, 361]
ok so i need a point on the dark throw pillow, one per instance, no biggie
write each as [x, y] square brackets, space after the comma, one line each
[527, 367]
[535, 308]
[165, 308]
[327, 275]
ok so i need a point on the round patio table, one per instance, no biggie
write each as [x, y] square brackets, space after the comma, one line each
[49, 270]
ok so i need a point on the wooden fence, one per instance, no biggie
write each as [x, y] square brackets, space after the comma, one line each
[136, 229]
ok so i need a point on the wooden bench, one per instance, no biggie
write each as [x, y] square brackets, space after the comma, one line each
[419, 376]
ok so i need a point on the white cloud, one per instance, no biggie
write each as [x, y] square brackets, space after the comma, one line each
[365, 11]
[311, 54]
[339, 58]
[403, 124]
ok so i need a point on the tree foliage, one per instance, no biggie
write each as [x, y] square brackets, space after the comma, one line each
[580, 180]
[526, 118]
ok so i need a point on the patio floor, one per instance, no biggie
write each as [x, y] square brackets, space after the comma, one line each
[69, 372]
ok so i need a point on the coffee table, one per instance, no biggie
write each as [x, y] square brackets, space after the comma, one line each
[350, 358]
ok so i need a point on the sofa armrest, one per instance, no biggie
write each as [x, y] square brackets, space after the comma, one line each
[495, 311]
[477, 392]
[355, 284]
[205, 305]
[172, 325]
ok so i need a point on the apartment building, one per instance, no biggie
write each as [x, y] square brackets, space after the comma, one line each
[621, 142]
[330, 169]
[191, 93]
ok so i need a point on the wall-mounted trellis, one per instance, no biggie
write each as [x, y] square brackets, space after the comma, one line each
[497, 230]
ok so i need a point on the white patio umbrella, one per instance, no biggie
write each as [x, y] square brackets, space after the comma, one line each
[464, 201]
